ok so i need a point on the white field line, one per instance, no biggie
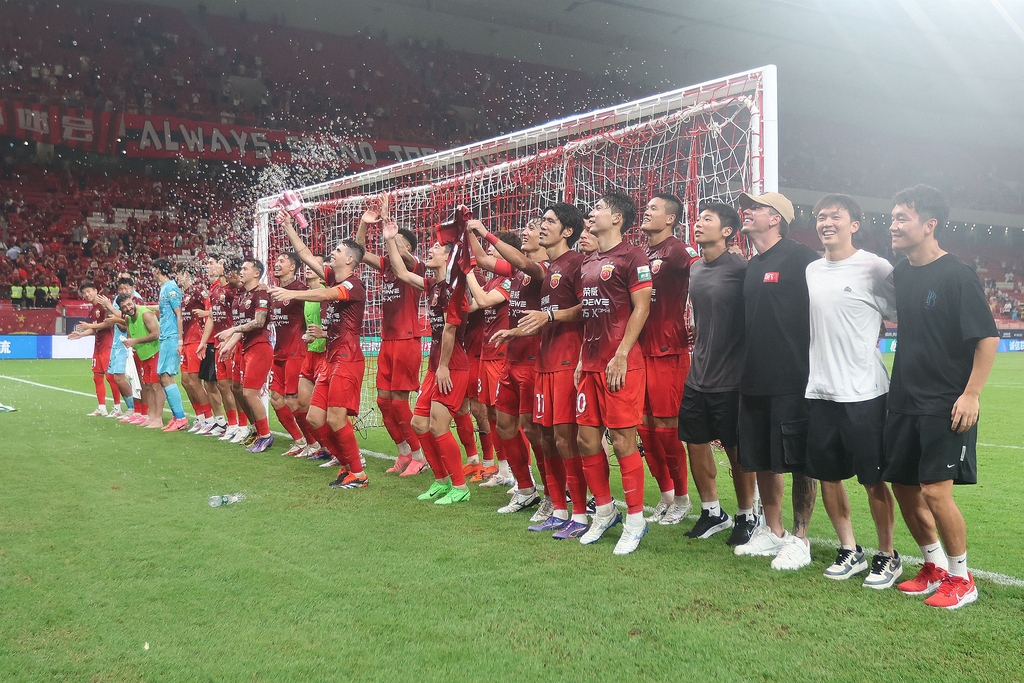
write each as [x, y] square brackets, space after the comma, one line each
[994, 577]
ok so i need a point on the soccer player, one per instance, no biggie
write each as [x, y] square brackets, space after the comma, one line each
[99, 326]
[171, 340]
[851, 291]
[711, 395]
[223, 290]
[287, 317]
[444, 388]
[119, 354]
[339, 380]
[492, 299]
[946, 343]
[312, 362]
[401, 354]
[198, 330]
[615, 290]
[515, 393]
[773, 410]
[144, 339]
[666, 348]
[473, 407]
[257, 353]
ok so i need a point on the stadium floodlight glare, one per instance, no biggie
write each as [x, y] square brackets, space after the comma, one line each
[709, 141]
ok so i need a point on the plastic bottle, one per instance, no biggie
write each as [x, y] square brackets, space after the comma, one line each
[217, 501]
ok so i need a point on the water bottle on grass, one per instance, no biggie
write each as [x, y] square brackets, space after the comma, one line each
[217, 501]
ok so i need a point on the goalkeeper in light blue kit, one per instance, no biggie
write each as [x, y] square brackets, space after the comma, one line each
[171, 338]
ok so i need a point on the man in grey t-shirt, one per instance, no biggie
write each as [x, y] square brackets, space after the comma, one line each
[710, 404]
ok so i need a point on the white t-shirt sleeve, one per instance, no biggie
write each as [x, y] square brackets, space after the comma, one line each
[884, 289]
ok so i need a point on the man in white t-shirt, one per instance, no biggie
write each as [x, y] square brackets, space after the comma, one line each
[851, 292]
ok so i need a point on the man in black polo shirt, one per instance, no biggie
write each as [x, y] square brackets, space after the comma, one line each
[773, 410]
[946, 342]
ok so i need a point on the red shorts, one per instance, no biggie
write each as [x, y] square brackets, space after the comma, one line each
[667, 375]
[285, 379]
[147, 369]
[489, 379]
[596, 406]
[554, 398]
[189, 358]
[311, 363]
[339, 385]
[514, 395]
[100, 361]
[257, 361]
[473, 390]
[452, 400]
[398, 365]
[226, 366]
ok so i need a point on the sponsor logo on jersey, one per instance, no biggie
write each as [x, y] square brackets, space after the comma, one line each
[506, 285]
[347, 285]
[606, 271]
[643, 274]
[692, 252]
[555, 279]
[655, 266]
[772, 276]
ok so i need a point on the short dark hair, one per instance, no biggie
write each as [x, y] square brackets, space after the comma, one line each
[839, 201]
[510, 238]
[674, 205]
[86, 284]
[294, 258]
[570, 217]
[622, 204]
[410, 237]
[163, 266]
[120, 299]
[354, 247]
[231, 263]
[927, 201]
[257, 264]
[125, 281]
[727, 216]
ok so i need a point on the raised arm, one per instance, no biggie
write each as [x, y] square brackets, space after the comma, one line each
[323, 294]
[369, 217]
[482, 299]
[518, 259]
[398, 266]
[301, 250]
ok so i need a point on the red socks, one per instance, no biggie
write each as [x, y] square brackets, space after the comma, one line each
[487, 446]
[403, 416]
[205, 410]
[464, 426]
[675, 455]
[433, 456]
[387, 413]
[346, 440]
[101, 389]
[232, 416]
[656, 460]
[632, 468]
[287, 419]
[141, 408]
[595, 469]
[307, 431]
[576, 481]
[243, 419]
[325, 436]
[555, 481]
[115, 393]
[449, 451]
[519, 459]
[263, 427]
[499, 449]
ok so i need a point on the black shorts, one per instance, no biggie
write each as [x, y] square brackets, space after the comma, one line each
[844, 439]
[773, 433]
[923, 448]
[707, 416]
[208, 366]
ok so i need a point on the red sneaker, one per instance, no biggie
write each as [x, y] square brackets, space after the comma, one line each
[926, 581]
[400, 465]
[176, 425]
[415, 467]
[954, 592]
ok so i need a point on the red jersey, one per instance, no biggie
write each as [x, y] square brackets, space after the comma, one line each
[524, 296]
[222, 300]
[400, 304]
[447, 306]
[196, 296]
[104, 338]
[605, 286]
[664, 334]
[495, 318]
[289, 322]
[560, 342]
[475, 323]
[247, 305]
[342, 320]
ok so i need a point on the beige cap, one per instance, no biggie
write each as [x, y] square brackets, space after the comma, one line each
[773, 199]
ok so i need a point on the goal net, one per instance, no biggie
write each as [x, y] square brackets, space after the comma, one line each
[709, 141]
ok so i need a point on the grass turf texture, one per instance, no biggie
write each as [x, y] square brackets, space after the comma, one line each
[107, 543]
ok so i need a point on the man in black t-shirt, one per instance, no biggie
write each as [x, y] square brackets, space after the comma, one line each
[773, 410]
[946, 343]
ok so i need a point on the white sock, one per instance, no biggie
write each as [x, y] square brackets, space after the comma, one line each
[580, 519]
[668, 497]
[222, 421]
[527, 492]
[473, 460]
[933, 553]
[417, 455]
[503, 468]
[606, 510]
[489, 463]
[958, 565]
[683, 500]
[404, 449]
[713, 508]
[635, 518]
[748, 512]
[561, 514]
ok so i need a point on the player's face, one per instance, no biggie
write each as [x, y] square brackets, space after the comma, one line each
[601, 218]
[531, 235]
[908, 230]
[214, 268]
[708, 229]
[233, 277]
[89, 294]
[312, 278]
[248, 273]
[587, 242]
[757, 219]
[437, 256]
[550, 229]
[656, 217]
[835, 227]
[128, 308]
[184, 278]
[283, 267]
[125, 289]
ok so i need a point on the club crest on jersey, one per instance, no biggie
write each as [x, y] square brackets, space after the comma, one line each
[606, 271]
[555, 279]
[526, 279]
[248, 303]
[643, 274]
[771, 276]
[655, 266]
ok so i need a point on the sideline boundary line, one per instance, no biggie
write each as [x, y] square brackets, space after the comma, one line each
[994, 577]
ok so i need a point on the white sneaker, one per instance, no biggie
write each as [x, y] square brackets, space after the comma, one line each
[197, 425]
[762, 543]
[659, 513]
[544, 510]
[116, 412]
[497, 480]
[675, 513]
[600, 524]
[240, 435]
[297, 448]
[333, 462]
[848, 563]
[308, 451]
[519, 502]
[229, 433]
[795, 554]
[630, 538]
[101, 411]
[217, 430]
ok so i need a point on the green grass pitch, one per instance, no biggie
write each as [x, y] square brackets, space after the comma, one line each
[114, 568]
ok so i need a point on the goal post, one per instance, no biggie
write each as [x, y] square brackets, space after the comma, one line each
[709, 141]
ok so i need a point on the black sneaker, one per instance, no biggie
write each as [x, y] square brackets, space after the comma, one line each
[743, 530]
[707, 526]
[591, 506]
